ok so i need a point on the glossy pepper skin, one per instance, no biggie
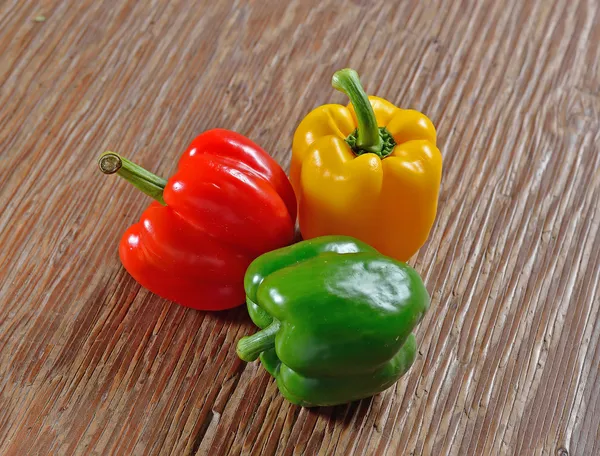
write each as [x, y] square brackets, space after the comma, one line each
[227, 203]
[369, 170]
[336, 318]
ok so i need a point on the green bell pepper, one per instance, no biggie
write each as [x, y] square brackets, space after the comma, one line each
[336, 319]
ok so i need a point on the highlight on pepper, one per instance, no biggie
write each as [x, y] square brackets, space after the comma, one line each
[228, 203]
[369, 170]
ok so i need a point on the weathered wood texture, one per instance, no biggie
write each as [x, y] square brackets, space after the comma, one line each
[509, 359]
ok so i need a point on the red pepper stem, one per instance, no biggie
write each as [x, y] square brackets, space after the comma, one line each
[368, 137]
[249, 348]
[151, 184]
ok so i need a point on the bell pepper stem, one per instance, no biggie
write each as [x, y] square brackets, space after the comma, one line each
[249, 348]
[368, 137]
[151, 184]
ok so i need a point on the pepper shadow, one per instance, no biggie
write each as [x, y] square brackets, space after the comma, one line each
[236, 314]
[344, 414]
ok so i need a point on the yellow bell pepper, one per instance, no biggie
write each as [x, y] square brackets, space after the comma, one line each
[369, 170]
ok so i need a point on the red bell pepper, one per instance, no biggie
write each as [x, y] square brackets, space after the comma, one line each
[228, 203]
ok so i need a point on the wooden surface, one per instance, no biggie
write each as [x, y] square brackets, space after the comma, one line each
[509, 357]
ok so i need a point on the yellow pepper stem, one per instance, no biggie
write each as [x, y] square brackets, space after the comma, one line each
[368, 137]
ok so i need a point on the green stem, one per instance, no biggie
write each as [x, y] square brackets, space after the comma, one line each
[151, 184]
[250, 347]
[368, 137]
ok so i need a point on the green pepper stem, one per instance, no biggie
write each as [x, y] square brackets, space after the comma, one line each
[368, 137]
[250, 347]
[151, 184]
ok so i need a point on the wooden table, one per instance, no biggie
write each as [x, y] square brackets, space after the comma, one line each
[509, 358]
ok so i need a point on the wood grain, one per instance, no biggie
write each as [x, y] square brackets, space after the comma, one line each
[509, 357]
